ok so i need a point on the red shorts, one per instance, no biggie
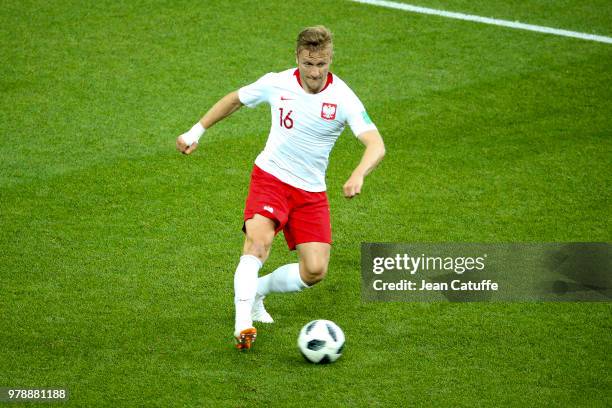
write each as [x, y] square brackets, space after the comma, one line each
[303, 216]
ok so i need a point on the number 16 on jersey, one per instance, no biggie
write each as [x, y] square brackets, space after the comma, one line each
[286, 121]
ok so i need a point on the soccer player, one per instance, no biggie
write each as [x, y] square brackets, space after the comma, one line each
[309, 107]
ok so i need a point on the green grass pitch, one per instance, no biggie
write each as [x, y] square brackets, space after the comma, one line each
[117, 253]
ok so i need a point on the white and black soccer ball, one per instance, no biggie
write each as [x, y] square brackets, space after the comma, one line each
[321, 341]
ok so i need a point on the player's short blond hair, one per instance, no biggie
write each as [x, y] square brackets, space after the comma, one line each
[315, 38]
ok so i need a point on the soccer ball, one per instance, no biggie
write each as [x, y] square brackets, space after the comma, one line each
[321, 341]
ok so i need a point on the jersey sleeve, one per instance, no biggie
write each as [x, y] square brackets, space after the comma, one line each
[357, 117]
[257, 92]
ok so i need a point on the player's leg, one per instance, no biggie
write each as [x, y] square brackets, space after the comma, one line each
[314, 259]
[265, 214]
[260, 233]
[311, 269]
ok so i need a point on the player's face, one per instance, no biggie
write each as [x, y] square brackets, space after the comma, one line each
[314, 66]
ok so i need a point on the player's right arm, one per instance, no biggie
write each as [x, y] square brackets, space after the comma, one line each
[188, 141]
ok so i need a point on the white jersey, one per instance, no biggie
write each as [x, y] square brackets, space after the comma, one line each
[305, 126]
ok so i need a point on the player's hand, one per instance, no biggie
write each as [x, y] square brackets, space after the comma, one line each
[353, 186]
[183, 147]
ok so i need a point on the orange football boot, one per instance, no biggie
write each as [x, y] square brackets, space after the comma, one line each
[246, 338]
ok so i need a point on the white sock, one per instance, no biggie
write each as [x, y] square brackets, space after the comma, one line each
[284, 279]
[245, 287]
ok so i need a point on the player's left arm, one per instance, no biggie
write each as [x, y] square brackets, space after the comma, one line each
[373, 154]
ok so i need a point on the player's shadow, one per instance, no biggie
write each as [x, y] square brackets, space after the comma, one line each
[580, 268]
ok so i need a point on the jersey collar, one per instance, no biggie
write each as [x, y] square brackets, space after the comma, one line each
[330, 79]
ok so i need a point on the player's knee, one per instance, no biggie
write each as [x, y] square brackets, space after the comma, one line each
[313, 272]
[258, 246]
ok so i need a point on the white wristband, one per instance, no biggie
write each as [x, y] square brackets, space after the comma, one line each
[194, 134]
